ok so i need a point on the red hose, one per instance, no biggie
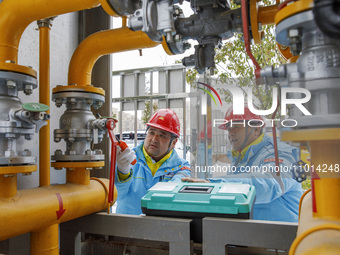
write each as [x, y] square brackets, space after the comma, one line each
[246, 36]
[275, 139]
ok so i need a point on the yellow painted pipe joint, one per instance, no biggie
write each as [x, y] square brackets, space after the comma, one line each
[108, 8]
[12, 67]
[166, 47]
[76, 88]
[18, 169]
[8, 186]
[292, 9]
[100, 44]
[38, 208]
[325, 246]
[315, 235]
[78, 172]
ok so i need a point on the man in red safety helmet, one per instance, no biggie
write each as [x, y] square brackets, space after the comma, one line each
[253, 162]
[242, 130]
[156, 161]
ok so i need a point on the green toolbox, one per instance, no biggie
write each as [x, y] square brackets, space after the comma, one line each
[199, 200]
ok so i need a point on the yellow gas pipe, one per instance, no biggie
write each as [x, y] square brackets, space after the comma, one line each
[17, 15]
[315, 235]
[48, 206]
[44, 98]
[33, 210]
[103, 43]
[8, 187]
[319, 224]
[45, 241]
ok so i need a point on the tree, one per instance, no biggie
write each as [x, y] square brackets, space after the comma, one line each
[235, 67]
[147, 111]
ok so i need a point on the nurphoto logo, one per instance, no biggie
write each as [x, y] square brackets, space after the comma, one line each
[239, 102]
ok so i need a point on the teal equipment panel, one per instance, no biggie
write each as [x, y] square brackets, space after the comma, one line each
[208, 198]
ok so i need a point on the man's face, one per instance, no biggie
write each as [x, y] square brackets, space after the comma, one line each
[237, 135]
[157, 143]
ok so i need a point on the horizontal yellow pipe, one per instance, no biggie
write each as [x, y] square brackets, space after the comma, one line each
[41, 207]
[100, 44]
[17, 15]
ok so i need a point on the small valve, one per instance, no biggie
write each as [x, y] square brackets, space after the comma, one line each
[298, 171]
[33, 114]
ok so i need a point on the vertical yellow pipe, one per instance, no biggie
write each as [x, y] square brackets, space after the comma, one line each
[8, 186]
[78, 176]
[124, 21]
[45, 241]
[326, 181]
[44, 98]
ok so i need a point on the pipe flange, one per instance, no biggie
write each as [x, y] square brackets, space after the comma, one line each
[17, 160]
[8, 129]
[73, 134]
[76, 88]
[78, 158]
[10, 66]
[18, 169]
[75, 165]
[60, 98]
[17, 82]
[302, 22]
[292, 9]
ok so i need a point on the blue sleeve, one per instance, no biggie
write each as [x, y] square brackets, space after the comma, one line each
[267, 189]
[268, 185]
[183, 172]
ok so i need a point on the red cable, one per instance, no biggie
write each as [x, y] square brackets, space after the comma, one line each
[285, 3]
[246, 37]
[276, 152]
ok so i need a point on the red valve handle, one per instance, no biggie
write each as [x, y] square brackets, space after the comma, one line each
[110, 126]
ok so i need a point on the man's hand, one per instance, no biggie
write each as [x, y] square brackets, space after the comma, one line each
[192, 179]
[124, 159]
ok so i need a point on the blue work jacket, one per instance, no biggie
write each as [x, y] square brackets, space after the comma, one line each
[131, 190]
[277, 197]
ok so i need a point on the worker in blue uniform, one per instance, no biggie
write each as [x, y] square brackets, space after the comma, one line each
[253, 162]
[156, 161]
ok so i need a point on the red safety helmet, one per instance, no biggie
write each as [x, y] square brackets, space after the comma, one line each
[248, 115]
[166, 120]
